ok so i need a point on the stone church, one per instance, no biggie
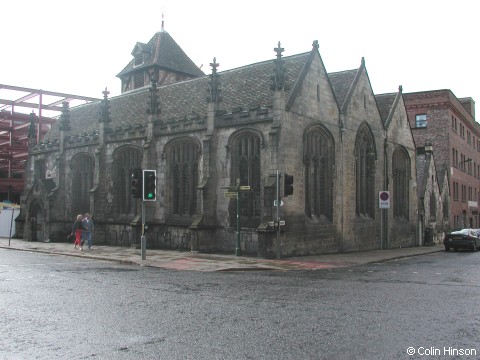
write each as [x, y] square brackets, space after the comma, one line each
[239, 130]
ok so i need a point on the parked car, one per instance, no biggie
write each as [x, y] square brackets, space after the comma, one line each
[462, 239]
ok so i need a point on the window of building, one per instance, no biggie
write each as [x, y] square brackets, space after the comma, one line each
[182, 163]
[318, 92]
[364, 172]
[318, 164]
[421, 120]
[139, 79]
[433, 207]
[401, 177]
[82, 169]
[125, 159]
[445, 208]
[39, 169]
[246, 147]
[469, 139]
[138, 60]
[455, 190]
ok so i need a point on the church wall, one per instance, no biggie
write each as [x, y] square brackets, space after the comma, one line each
[314, 104]
[361, 233]
[402, 232]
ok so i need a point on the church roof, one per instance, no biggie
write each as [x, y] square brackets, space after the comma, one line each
[164, 52]
[245, 88]
[384, 104]
[341, 82]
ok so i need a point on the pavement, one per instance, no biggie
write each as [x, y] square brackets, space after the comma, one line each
[197, 261]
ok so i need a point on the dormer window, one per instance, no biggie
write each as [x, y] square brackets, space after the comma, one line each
[138, 60]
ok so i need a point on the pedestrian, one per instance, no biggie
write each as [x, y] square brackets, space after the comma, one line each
[77, 231]
[87, 231]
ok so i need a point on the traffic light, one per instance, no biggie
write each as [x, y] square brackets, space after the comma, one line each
[287, 184]
[149, 185]
[137, 180]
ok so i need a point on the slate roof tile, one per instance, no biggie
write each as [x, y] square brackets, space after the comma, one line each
[341, 82]
[385, 103]
[243, 87]
[164, 53]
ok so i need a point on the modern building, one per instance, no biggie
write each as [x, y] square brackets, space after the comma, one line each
[222, 147]
[440, 120]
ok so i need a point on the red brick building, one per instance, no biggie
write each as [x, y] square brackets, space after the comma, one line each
[439, 118]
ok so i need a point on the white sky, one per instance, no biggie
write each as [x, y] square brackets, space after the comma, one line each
[79, 47]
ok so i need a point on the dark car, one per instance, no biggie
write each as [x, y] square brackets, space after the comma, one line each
[462, 239]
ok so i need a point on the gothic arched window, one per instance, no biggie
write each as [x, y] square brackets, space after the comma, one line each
[125, 159]
[318, 160]
[246, 167]
[82, 168]
[401, 177]
[182, 163]
[365, 172]
[40, 169]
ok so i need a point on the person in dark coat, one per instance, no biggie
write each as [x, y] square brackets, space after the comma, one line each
[87, 231]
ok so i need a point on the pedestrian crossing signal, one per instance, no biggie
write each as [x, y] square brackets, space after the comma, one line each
[149, 185]
[287, 184]
[136, 183]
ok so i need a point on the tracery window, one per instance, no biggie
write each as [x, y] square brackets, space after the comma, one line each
[246, 167]
[82, 169]
[125, 159]
[39, 169]
[401, 177]
[433, 207]
[183, 158]
[365, 172]
[318, 160]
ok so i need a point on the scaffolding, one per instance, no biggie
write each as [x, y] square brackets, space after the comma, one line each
[16, 105]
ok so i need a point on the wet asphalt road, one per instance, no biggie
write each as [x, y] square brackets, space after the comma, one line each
[56, 307]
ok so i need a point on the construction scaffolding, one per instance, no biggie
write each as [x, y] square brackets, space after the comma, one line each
[17, 104]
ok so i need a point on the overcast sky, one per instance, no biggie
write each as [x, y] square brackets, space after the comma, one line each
[79, 47]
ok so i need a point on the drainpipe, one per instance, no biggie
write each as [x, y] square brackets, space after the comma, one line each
[385, 186]
[342, 207]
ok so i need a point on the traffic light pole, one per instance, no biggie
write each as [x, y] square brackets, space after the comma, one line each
[143, 240]
[238, 249]
[277, 242]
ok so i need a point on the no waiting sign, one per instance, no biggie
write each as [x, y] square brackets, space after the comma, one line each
[384, 200]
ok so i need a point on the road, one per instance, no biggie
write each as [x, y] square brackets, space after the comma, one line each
[57, 307]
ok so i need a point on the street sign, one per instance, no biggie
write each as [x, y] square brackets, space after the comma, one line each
[282, 222]
[230, 194]
[384, 200]
[275, 202]
[244, 187]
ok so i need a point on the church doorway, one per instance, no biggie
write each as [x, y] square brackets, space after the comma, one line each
[36, 222]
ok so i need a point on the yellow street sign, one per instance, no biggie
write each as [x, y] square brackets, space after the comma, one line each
[245, 187]
[231, 194]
